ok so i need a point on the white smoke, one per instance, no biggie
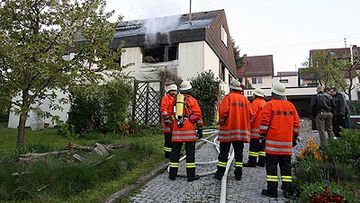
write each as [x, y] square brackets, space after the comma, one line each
[162, 26]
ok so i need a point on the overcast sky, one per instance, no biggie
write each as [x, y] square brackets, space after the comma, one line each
[286, 29]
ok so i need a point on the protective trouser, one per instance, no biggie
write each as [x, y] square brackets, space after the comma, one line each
[272, 178]
[253, 151]
[223, 158]
[190, 159]
[262, 154]
[167, 144]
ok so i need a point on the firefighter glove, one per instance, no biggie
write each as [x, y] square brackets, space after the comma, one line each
[199, 133]
[167, 121]
[295, 138]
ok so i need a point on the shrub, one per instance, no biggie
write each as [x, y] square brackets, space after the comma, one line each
[346, 149]
[206, 91]
[101, 108]
[322, 192]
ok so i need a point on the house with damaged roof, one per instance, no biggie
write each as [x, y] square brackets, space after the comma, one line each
[184, 45]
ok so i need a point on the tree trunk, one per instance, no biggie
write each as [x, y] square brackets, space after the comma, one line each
[21, 130]
[23, 116]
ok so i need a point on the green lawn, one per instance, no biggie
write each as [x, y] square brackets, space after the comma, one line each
[102, 189]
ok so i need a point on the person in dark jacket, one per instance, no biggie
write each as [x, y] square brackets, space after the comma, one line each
[341, 111]
[320, 108]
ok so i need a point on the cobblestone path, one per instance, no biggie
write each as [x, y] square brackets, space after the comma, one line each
[207, 189]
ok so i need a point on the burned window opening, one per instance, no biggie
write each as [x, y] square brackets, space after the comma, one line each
[160, 53]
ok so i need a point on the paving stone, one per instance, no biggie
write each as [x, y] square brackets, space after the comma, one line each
[207, 189]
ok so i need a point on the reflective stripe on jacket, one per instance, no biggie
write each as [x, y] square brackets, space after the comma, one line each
[187, 133]
[167, 111]
[279, 122]
[235, 112]
[256, 106]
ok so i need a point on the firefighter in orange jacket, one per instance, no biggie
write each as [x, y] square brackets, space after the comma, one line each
[167, 110]
[279, 124]
[256, 148]
[234, 119]
[184, 131]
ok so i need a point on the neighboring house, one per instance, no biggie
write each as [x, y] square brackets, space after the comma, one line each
[307, 79]
[176, 44]
[258, 70]
[288, 78]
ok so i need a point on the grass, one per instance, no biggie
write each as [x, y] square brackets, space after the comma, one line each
[92, 185]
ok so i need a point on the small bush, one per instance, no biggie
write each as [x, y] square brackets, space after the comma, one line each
[321, 192]
[100, 108]
[206, 91]
[346, 149]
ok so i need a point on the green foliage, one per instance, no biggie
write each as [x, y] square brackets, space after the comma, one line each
[99, 108]
[206, 91]
[307, 191]
[354, 107]
[346, 149]
[32, 51]
[239, 61]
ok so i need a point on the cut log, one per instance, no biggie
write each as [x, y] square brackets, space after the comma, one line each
[100, 149]
[73, 146]
[79, 158]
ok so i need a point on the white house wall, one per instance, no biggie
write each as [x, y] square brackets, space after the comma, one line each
[191, 59]
[266, 82]
[292, 80]
[211, 61]
[36, 122]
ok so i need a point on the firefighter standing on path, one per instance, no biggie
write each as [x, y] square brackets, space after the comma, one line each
[256, 148]
[167, 110]
[234, 120]
[279, 124]
[188, 114]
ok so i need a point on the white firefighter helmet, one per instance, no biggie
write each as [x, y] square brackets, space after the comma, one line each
[235, 85]
[278, 88]
[172, 87]
[259, 92]
[185, 86]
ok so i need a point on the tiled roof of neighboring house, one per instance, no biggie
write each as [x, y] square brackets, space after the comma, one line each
[287, 73]
[257, 66]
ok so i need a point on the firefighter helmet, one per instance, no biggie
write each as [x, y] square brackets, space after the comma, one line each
[235, 85]
[259, 92]
[172, 87]
[185, 86]
[278, 88]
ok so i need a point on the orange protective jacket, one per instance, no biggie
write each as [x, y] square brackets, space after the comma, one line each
[167, 111]
[234, 118]
[279, 122]
[256, 106]
[187, 133]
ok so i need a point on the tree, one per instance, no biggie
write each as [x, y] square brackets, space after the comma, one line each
[331, 71]
[35, 35]
[238, 60]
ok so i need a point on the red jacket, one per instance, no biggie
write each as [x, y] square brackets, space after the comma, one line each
[235, 115]
[256, 106]
[187, 133]
[279, 122]
[167, 111]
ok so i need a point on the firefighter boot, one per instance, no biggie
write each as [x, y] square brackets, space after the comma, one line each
[220, 172]
[288, 192]
[269, 193]
[251, 162]
[191, 176]
[261, 161]
[173, 173]
[238, 173]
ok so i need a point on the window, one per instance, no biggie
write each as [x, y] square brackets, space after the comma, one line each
[222, 71]
[253, 81]
[256, 80]
[230, 78]
[160, 53]
[223, 36]
[284, 81]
